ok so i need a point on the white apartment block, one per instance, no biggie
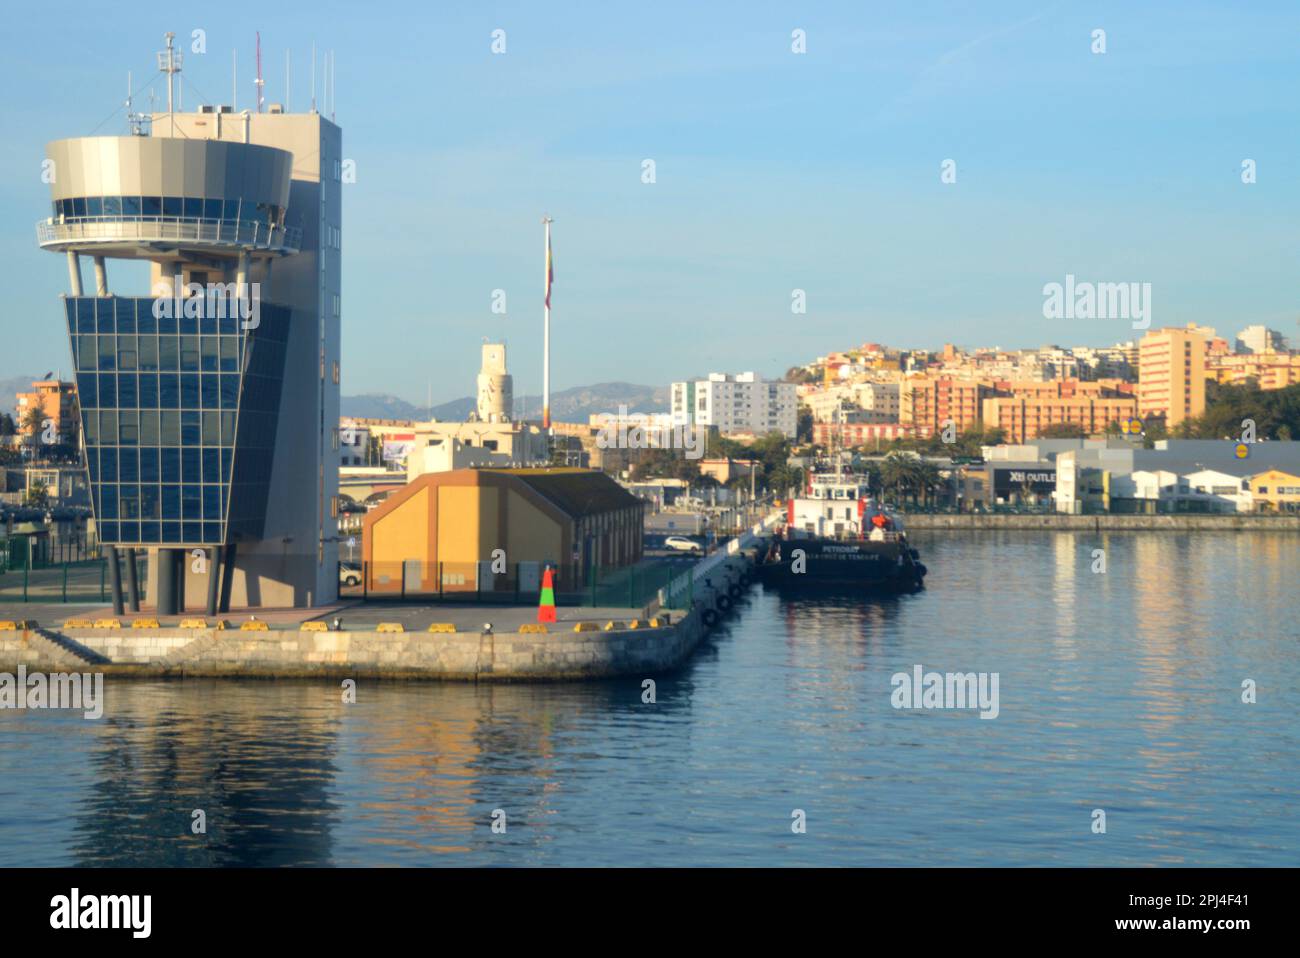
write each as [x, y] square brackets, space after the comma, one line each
[1260, 339]
[743, 403]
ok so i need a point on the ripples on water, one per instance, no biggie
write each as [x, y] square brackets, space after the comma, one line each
[1118, 691]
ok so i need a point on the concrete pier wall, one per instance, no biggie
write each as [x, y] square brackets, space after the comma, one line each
[463, 655]
[1060, 521]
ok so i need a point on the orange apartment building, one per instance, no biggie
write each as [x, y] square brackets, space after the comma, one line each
[1171, 375]
[927, 403]
[1033, 406]
[1270, 370]
[58, 404]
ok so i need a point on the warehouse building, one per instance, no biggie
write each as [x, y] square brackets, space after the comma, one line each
[496, 529]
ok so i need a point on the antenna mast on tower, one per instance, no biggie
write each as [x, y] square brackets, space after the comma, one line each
[169, 62]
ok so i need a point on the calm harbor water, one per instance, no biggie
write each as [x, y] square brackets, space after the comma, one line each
[1119, 691]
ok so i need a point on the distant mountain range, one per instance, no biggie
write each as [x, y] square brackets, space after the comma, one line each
[567, 405]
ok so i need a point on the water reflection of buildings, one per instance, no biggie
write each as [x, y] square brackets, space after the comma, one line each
[443, 757]
[256, 760]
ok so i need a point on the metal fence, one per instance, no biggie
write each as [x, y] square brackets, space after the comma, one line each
[84, 580]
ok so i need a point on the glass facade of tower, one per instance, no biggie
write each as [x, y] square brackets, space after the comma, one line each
[178, 417]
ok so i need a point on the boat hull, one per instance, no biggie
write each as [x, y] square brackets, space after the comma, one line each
[854, 566]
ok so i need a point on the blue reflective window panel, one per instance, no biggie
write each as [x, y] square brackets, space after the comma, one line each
[193, 208]
[151, 532]
[169, 391]
[92, 464]
[124, 309]
[108, 464]
[189, 326]
[126, 391]
[94, 206]
[232, 210]
[130, 502]
[212, 532]
[189, 391]
[112, 206]
[131, 206]
[171, 206]
[149, 465]
[168, 325]
[189, 428]
[169, 353]
[210, 392]
[191, 502]
[107, 390]
[151, 205]
[108, 532]
[171, 502]
[78, 206]
[85, 315]
[211, 502]
[88, 387]
[207, 326]
[130, 532]
[229, 391]
[212, 465]
[104, 315]
[128, 465]
[228, 325]
[150, 502]
[144, 318]
[108, 500]
[192, 466]
[212, 209]
[148, 391]
[171, 465]
[226, 456]
[193, 531]
[171, 532]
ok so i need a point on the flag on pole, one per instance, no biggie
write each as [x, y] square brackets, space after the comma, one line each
[550, 270]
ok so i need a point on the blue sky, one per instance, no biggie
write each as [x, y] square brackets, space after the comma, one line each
[775, 171]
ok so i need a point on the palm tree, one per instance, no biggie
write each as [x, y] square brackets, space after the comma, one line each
[896, 472]
[925, 478]
[34, 425]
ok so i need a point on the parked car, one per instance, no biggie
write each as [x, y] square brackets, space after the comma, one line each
[683, 544]
[349, 574]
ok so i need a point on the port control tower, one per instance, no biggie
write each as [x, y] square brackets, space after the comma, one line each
[210, 400]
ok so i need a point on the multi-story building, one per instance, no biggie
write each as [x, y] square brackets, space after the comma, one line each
[57, 402]
[1260, 339]
[879, 398]
[210, 405]
[743, 403]
[1275, 370]
[1032, 407]
[846, 435]
[1171, 375]
[927, 404]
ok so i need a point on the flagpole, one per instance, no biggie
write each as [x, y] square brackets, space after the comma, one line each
[546, 330]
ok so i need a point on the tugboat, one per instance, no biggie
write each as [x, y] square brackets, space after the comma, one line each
[837, 537]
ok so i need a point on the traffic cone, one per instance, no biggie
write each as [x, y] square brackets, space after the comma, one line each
[546, 607]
